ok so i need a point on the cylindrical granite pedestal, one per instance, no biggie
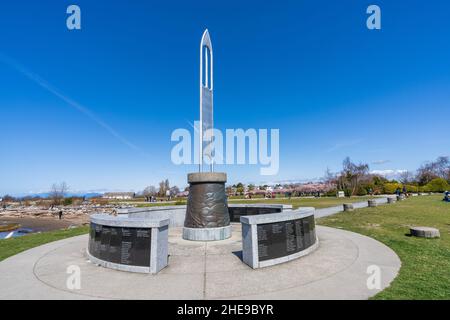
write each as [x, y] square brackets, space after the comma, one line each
[372, 203]
[207, 217]
[391, 200]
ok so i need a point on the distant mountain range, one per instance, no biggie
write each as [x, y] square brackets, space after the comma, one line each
[45, 195]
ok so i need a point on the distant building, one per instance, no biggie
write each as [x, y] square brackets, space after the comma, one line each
[119, 195]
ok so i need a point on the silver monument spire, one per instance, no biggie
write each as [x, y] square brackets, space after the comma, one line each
[206, 100]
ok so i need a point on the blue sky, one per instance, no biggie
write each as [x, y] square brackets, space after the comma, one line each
[96, 107]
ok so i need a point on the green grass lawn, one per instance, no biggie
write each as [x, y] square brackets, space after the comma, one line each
[161, 204]
[304, 202]
[425, 271]
[12, 246]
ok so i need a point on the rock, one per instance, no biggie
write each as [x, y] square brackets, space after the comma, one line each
[391, 200]
[425, 232]
[372, 203]
[348, 206]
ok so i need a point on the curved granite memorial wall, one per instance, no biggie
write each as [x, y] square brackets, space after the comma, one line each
[121, 245]
[236, 211]
[129, 244]
[276, 238]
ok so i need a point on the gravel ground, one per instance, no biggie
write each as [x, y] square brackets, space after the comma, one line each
[45, 224]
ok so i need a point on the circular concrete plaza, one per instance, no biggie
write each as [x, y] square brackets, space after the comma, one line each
[338, 269]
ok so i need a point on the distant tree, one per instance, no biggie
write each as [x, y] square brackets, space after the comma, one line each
[229, 189]
[164, 186]
[353, 174]
[57, 192]
[426, 173]
[174, 191]
[406, 177]
[442, 167]
[162, 189]
[329, 177]
[438, 185]
[8, 198]
[167, 184]
[149, 191]
[251, 187]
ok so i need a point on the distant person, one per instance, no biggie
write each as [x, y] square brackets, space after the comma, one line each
[447, 196]
[60, 213]
[397, 191]
[405, 192]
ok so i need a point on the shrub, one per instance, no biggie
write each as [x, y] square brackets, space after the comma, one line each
[347, 192]
[411, 188]
[331, 193]
[378, 190]
[362, 192]
[68, 201]
[100, 201]
[438, 185]
[391, 187]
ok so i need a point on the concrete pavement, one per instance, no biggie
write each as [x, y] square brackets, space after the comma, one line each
[204, 270]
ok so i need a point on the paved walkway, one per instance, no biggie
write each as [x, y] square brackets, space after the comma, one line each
[357, 205]
[204, 270]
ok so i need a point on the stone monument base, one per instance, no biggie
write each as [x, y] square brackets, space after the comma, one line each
[207, 234]
[207, 216]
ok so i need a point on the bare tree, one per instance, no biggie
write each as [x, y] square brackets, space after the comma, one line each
[57, 192]
[164, 186]
[329, 177]
[174, 191]
[162, 189]
[442, 167]
[149, 191]
[352, 174]
[167, 184]
[406, 177]
[434, 169]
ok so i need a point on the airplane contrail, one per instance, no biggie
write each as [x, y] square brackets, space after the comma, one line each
[74, 104]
